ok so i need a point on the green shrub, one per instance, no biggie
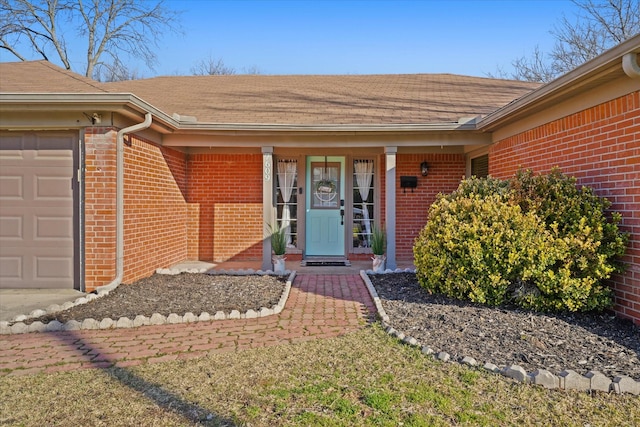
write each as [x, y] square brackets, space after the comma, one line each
[589, 244]
[477, 248]
[537, 241]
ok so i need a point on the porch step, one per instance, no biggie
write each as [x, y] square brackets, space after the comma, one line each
[314, 261]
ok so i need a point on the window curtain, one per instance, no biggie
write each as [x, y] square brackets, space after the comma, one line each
[287, 170]
[364, 176]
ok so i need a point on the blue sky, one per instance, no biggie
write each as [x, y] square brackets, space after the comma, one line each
[471, 37]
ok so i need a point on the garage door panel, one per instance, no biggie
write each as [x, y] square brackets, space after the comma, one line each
[11, 227]
[53, 267]
[11, 267]
[11, 188]
[51, 227]
[50, 188]
[37, 225]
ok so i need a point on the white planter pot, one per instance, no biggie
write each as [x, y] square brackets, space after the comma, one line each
[378, 263]
[278, 264]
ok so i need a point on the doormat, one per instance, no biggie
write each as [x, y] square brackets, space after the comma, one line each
[325, 263]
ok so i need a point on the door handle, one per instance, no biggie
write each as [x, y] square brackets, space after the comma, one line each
[341, 216]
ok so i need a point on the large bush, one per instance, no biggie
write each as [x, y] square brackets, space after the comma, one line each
[537, 241]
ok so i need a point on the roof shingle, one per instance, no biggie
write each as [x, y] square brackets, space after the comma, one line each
[289, 99]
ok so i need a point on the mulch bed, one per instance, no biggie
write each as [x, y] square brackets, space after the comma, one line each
[502, 335]
[179, 294]
[508, 335]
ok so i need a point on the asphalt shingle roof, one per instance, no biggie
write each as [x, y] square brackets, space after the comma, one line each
[290, 99]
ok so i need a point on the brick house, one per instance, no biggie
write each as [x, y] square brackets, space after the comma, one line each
[105, 182]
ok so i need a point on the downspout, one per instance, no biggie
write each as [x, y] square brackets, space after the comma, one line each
[120, 201]
[630, 65]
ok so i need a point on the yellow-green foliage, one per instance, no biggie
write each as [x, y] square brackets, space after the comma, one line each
[475, 248]
[537, 241]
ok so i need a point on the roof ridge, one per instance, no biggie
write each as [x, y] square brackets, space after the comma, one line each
[72, 74]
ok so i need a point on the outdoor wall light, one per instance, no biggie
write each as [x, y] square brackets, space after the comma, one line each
[424, 168]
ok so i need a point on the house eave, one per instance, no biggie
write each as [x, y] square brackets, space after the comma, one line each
[291, 129]
[135, 108]
[600, 70]
[125, 104]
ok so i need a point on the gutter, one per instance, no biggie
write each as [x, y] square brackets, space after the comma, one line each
[120, 201]
[630, 65]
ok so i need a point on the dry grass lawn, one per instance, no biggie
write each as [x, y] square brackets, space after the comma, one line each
[361, 379]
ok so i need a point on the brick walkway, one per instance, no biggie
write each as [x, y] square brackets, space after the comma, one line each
[319, 306]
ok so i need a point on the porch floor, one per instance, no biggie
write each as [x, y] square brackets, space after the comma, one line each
[354, 268]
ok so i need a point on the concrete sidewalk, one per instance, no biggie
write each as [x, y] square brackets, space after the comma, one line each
[319, 306]
[14, 302]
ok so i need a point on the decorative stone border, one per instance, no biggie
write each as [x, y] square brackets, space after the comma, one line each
[17, 325]
[565, 380]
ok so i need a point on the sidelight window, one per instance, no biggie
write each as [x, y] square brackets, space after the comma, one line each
[363, 202]
[287, 199]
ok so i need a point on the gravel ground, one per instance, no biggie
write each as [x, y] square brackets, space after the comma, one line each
[507, 335]
[502, 335]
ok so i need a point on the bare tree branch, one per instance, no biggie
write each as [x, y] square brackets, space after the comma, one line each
[598, 26]
[128, 29]
[211, 66]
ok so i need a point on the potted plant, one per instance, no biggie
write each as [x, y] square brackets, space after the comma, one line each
[279, 246]
[378, 246]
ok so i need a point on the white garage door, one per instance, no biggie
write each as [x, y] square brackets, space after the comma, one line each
[37, 225]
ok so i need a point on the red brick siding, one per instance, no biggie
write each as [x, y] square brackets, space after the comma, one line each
[155, 210]
[445, 173]
[600, 146]
[100, 206]
[228, 189]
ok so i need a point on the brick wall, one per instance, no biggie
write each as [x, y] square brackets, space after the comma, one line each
[156, 218]
[228, 189]
[155, 210]
[445, 173]
[600, 146]
[100, 206]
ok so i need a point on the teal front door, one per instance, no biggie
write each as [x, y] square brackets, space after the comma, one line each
[325, 206]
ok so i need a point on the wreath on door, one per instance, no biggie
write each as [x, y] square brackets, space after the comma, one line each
[325, 190]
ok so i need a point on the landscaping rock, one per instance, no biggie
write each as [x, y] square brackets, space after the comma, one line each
[54, 326]
[37, 327]
[189, 318]
[443, 356]
[598, 381]
[469, 361]
[157, 319]
[140, 320]
[173, 319]
[427, 350]
[220, 315]
[72, 325]
[571, 380]
[124, 322]
[545, 378]
[37, 313]
[625, 384]
[90, 324]
[19, 328]
[491, 367]
[516, 372]
[107, 323]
